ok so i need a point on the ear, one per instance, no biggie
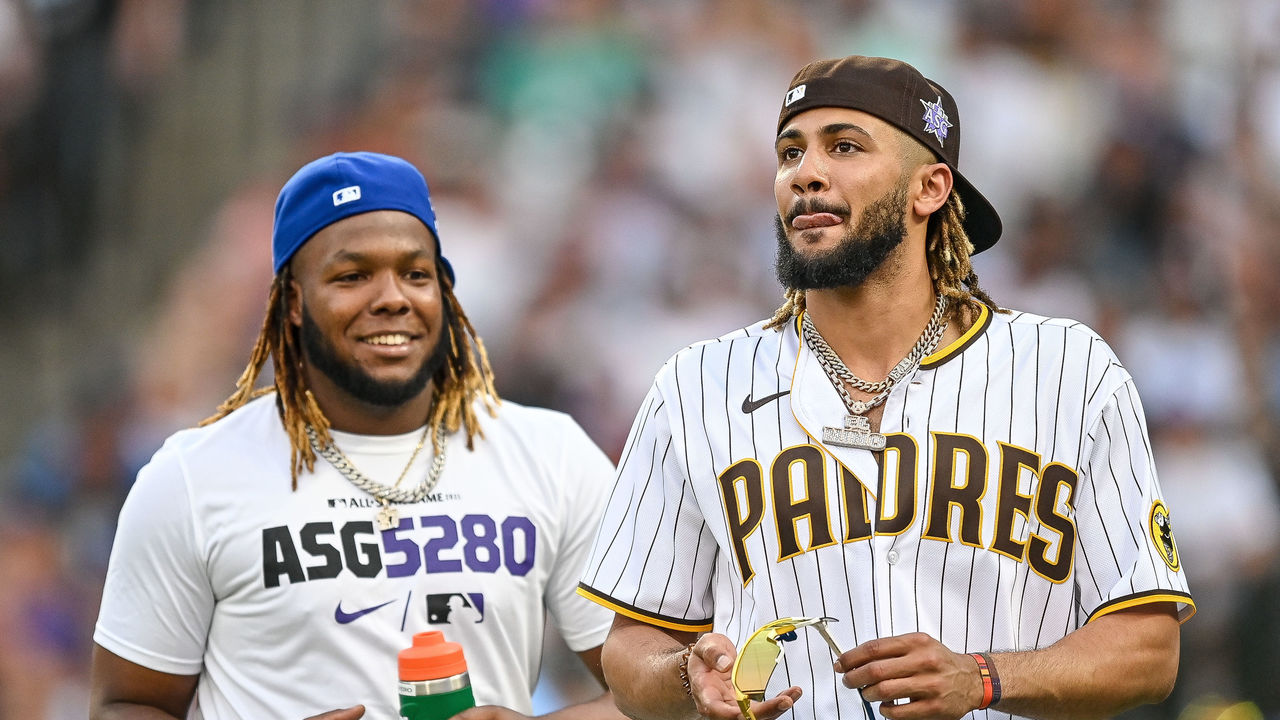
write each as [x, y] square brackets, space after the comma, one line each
[293, 299]
[932, 184]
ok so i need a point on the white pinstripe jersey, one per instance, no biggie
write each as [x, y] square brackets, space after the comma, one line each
[1017, 500]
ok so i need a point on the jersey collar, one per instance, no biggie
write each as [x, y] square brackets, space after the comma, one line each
[958, 346]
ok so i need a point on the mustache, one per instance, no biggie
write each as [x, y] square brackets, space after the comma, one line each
[814, 206]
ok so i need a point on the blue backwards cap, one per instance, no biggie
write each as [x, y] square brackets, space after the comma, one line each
[327, 190]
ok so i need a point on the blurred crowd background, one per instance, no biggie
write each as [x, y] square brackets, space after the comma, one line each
[602, 170]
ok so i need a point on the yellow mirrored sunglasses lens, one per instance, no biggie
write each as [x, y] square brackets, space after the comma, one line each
[760, 655]
[755, 664]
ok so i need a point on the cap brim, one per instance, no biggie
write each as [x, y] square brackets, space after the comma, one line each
[981, 222]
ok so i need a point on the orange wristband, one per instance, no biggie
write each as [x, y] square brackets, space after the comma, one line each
[990, 680]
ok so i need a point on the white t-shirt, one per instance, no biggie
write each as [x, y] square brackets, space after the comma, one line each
[290, 603]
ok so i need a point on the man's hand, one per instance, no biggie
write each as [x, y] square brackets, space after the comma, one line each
[351, 713]
[927, 679]
[710, 666]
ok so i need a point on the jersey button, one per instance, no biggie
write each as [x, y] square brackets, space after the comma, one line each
[893, 557]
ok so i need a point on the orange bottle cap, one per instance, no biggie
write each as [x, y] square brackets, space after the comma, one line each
[431, 658]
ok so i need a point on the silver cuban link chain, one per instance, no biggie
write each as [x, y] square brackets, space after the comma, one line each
[839, 373]
[385, 493]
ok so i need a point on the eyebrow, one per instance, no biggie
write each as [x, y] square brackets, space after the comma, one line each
[837, 128]
[825, 130]
[360, 257]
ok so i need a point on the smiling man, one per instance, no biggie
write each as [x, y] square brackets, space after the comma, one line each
[273, 562]
[963, 495]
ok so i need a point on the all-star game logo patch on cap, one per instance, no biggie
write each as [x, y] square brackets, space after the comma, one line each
[896, 93]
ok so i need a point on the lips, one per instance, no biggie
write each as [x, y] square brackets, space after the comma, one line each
[815, 220]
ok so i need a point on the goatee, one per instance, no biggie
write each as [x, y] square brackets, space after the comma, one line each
[861, 251]
[352, 379]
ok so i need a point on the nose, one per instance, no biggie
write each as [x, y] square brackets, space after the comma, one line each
[390, 297]
[810, 174]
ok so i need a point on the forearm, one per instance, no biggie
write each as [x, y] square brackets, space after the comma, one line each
[641, 664]
[1114, 663]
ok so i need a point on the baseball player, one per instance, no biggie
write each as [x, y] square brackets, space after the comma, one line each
[272, 563]
[967, 492]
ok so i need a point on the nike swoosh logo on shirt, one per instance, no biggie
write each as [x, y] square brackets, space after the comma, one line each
[749, 406]
[345, 617]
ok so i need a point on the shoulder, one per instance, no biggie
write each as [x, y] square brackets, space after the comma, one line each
[1029, 327]
[547, 445]
[514, 416]
[246, 425]
[530, 426]
[710, 357]
[1060, 342]
[246, 435]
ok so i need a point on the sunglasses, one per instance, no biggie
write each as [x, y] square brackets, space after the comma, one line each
[762, 652]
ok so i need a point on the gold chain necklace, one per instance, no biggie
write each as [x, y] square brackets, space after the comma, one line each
[388, 516]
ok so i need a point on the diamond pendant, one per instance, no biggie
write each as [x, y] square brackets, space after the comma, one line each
[856, 434]
[388, 517]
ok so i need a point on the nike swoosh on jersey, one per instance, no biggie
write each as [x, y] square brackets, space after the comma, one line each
[345, 617]
[750, 406]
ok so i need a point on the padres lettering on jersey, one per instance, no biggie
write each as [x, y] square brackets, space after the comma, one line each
[1015, 501]
[957, 485]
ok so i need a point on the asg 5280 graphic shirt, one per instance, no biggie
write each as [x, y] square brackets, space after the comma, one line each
[290, 603]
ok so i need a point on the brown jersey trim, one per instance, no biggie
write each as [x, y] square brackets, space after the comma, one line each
[644, 616]
[975, 330]
[1146, 598]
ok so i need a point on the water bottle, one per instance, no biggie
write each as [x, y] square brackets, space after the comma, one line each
[433, 679]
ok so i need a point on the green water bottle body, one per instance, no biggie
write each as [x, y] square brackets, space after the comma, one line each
[435, 699]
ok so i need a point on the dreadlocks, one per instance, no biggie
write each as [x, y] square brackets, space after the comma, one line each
[948, 249]
[464, 378]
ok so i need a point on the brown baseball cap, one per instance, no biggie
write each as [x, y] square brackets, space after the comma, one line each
[896, 93]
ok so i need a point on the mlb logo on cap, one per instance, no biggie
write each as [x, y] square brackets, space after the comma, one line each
[794, 94]
[346, 195]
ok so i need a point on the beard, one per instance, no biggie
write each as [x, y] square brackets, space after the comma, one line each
[321, 354]
[861, 251]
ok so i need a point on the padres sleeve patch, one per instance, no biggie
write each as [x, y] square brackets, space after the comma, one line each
[1162, 534]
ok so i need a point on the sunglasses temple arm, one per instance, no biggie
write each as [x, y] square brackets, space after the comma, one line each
[822, 629]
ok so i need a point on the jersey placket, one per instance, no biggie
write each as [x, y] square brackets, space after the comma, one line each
[896, 552]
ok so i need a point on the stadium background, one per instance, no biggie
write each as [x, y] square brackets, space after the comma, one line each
[602, 173]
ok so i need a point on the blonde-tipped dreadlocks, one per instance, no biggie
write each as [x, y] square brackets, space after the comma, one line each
[464, 378]
[948, 249]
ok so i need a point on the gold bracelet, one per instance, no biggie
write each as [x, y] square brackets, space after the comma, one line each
[683, 665]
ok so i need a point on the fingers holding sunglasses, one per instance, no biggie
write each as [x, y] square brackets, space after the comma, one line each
[716, 653]
[913, 676]
[709, 678]
[770, 709]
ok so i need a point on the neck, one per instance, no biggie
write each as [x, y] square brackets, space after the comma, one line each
[349, 414]
[873, 326]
